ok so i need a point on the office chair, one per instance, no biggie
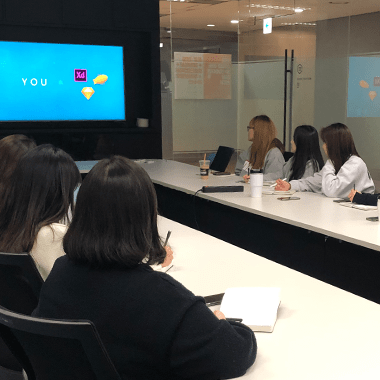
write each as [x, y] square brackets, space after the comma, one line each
[56, 349]
[20, 284]
[288, 156]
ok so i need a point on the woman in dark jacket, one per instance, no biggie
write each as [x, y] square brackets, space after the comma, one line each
[151, 325]
[363, 198]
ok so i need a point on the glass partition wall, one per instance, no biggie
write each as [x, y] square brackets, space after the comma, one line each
[319, 65]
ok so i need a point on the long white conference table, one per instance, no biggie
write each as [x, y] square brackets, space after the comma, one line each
[313, 235]
[322, 332]
[313, 211]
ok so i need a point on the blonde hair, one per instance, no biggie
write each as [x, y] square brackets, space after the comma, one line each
[264, 135]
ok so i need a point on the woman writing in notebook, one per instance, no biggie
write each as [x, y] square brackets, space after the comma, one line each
[363, 198]
[307, 158]
[343, 170]
[263, 152]
[151, 325]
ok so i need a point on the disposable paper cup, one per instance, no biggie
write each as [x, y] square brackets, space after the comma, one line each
[204, 167]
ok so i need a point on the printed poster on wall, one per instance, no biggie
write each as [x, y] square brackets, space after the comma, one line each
[202, 76]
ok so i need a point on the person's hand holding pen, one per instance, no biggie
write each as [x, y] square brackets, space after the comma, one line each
[246, 178]
[169, 253]
[282, 185]
[169, 257]
[352, 194]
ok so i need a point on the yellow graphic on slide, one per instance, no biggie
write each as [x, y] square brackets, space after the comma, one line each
[372, 95]
[100, 79]
[364, 84]
[87, 92]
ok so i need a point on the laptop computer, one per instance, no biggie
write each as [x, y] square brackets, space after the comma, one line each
[222, 159]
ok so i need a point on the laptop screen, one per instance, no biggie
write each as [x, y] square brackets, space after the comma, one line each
[222, 158]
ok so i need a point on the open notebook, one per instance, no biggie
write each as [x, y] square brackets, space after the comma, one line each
[359, 207]
[255, 305]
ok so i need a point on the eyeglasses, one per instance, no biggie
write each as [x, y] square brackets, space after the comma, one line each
[248, 128]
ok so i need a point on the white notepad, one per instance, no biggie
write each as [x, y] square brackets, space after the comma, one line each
[256, 306]
[359, 207]
[271, 191]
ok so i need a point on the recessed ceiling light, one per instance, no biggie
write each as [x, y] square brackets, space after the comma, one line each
[339, 2]
[234, 21]
[161, 44]
[210, 25]
[298, 10]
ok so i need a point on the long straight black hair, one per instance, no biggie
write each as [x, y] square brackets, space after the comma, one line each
[42, 192]
[307, 149]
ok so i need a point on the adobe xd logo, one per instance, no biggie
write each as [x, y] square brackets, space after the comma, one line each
[80, 75]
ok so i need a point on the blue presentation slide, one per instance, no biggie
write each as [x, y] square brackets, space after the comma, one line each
[364, 87]
[51, 82]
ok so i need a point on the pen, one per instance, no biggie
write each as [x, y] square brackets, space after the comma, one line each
[234, 319]
[167, 270]
[166, 242]
[275, 184]
[167, 238]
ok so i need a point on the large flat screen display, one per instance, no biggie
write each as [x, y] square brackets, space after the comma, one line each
[364, 87]
[54, 82]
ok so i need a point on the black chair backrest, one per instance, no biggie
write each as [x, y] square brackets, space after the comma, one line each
[20, 282]
[288, 156]
[20, 285]
[56, 349]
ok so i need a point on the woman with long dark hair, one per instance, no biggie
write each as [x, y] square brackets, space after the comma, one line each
[39, 204]
[264, 152]
[343, 170]
[307, 158]
[12, 149]
[151, 325]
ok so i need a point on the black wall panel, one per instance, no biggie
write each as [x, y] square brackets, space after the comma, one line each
[131, 24]
[87, 13]
[2, 11]
[141, 17]
[33, 11]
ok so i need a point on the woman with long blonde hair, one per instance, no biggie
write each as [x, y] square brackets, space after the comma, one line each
[264, 152]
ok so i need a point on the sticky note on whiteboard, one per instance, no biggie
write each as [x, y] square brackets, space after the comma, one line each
[267, 25]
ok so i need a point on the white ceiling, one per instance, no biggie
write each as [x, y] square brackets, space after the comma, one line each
[197, 14]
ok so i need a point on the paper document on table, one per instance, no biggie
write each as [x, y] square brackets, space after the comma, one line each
[256, 306]
[271, 191]
[359, 207]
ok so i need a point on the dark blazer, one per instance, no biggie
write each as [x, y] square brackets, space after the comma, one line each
[151, 325]
[366, 199]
